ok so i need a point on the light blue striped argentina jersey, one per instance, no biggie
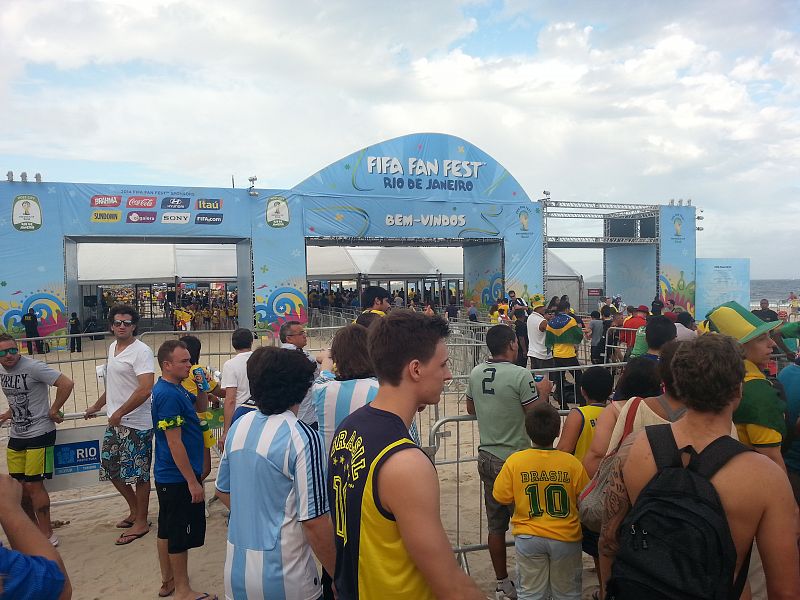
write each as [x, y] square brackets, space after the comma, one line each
[335, 400]
[274, 470]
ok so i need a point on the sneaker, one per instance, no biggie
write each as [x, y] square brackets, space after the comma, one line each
[505, 590]
[54, 540]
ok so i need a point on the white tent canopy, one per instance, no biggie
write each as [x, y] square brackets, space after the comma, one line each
[157, 263]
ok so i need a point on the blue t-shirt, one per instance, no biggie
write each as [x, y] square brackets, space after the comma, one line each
[789, 377]
[173, 406]
[29, 577]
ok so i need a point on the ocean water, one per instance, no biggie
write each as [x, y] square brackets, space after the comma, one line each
[774, 290]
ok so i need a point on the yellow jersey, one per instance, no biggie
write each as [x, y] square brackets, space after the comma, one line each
[590, 415]
[543, 484]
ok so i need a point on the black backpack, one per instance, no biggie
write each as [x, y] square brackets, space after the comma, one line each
[675, 543]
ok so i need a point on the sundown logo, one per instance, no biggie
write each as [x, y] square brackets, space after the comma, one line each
[106, 216]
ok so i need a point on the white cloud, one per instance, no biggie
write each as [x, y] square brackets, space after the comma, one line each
[629, 101]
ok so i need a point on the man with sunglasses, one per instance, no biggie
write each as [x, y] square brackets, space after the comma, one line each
[33, 431]
[128, 442]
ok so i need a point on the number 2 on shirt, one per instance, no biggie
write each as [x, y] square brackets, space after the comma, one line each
[488, 380]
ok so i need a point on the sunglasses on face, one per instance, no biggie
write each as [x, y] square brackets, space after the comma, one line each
[118, 323]
[11, 351]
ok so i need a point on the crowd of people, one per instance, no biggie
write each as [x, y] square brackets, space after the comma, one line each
[679, 472]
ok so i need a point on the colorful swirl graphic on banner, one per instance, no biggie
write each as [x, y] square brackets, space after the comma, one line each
[493, 231]
[492, 292]
[496, 183]
[48, 308]
[283, 302]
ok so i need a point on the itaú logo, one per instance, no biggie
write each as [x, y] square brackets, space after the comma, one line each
[179, 218]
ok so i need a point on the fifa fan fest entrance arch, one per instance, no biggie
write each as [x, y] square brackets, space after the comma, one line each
[416, 190]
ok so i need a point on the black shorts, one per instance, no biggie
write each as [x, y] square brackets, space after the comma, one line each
[180, 522]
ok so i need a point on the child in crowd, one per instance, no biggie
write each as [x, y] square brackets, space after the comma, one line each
[543, 484]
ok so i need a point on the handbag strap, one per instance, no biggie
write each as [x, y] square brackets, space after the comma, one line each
[633, 406]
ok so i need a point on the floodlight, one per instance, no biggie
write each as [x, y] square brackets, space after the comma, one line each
[38, 178]
[699, 217]
[10, 176]
[672, 201]
[252, 179]
[23, 177]
[699, 228]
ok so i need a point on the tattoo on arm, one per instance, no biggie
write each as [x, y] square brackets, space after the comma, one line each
[616, 505]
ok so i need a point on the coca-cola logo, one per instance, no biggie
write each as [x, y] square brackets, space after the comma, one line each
[141, 202]
[106, 201]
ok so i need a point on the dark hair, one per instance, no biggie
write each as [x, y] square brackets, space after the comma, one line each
[242, 339]
[493, 308]
[5, 337]
[372, 293]
[597, 382]
[659, 331]
[665, 367]
[595, 314]
[403, 336]
[512, 292]
[640, 378]
[543, 424]
[193, 345]
[279, 378]
[708, 372]
[349, 352]
[123, 309]
[286, 326]
[166, 349]
[553, 302]
[685, 319]
[499, 338]
[563, 306]
[366, 318]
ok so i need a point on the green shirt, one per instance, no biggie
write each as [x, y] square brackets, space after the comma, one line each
[640, 345]
[499, 390]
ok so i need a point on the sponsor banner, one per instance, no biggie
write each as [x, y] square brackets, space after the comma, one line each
[106, 216]
[175, 203]
[178, 218]
[208, 204]
[633, 275]
[208, 219]
[26, 213]
[677, 247]
[141, 216]
[141, 202]
[106, 201]
[76, 458]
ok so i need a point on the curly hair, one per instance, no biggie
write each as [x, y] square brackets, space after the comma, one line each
[399, 338]
[708, 372]
[279, 378]
[350, 354]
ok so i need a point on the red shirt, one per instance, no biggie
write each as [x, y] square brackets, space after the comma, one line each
[629, 337]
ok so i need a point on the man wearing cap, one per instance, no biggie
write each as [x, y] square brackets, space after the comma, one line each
[759, 419]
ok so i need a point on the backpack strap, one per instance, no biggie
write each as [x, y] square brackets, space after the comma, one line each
[741, 578]
[716, 455]
[662, 443]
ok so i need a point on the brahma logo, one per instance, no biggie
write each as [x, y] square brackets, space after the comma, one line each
[106, 216]
[141, 216]
[106, 201]
[141, 202]
[175, 203]
[208, 219]
[178, 218]
[208, 204]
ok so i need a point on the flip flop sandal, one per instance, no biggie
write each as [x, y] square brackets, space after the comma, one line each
[127, 538]
[165, 590]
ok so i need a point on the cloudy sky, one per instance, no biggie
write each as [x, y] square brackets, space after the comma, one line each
[596, 101]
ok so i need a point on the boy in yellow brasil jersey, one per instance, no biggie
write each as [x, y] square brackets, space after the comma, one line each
[543, 484]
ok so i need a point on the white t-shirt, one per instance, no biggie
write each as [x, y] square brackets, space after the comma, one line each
[536, 347]
[122, 371]
[234, 374]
